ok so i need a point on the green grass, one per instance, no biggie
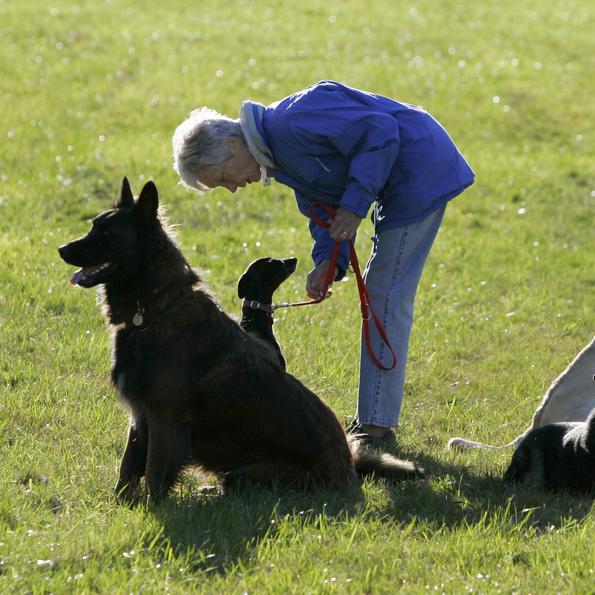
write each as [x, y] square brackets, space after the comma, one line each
[92, 91]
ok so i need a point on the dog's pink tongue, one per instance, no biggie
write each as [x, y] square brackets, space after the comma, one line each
[78, 275]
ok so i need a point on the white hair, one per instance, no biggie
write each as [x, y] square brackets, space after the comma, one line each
[199, 141]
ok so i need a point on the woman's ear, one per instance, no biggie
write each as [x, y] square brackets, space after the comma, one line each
[233, 144]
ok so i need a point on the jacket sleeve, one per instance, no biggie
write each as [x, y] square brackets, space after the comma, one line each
[369, 138]
[323, 243]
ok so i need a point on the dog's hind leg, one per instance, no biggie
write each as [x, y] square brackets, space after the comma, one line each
[134, 460]
[333, 467]
[166, 456]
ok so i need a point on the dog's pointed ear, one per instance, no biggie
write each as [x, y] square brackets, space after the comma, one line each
[126, 199]
[148, 202]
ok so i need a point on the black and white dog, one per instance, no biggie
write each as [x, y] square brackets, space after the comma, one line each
[557, 456]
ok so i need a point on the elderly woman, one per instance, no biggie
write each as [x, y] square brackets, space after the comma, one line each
[349, 149]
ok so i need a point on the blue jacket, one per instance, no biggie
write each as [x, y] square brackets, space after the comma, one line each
[349, 148]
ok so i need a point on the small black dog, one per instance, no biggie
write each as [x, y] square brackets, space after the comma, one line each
[556, 456]
[200, 390]
[257, 286]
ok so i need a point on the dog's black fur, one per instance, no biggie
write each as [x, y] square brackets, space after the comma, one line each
[256, 286]
[557, 456]
[200, 390]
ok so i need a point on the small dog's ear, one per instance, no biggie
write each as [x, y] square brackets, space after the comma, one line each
[148, 202]
[242, 286]
[126, 199]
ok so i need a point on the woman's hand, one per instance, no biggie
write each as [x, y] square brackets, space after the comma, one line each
[344, 225]
[315, 279]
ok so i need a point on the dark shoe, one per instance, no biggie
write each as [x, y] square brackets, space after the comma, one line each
[387, 440]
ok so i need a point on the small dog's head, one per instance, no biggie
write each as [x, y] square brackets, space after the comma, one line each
[263, 277]
[112, 250]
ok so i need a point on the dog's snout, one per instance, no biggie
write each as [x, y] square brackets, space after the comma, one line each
[63, 251]
[290, 263]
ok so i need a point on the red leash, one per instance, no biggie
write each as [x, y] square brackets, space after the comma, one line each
[366, 309]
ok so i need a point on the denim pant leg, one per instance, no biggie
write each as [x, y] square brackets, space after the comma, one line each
[392, 276]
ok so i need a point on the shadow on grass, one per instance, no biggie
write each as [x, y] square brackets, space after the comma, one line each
[456, 496]
[218, 531]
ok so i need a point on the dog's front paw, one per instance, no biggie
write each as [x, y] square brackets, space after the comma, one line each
[128, 490]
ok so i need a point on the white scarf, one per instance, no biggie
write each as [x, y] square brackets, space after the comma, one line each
[249, 113]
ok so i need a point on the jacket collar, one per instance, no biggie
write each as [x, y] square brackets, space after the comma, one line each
[251, 114]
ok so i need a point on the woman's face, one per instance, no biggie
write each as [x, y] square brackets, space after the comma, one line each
[237, 171]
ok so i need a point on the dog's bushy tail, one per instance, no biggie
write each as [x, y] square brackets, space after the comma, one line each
[368, 462]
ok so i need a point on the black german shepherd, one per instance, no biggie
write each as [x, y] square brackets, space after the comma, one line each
[557, 456]
[199, 390]
[256, 286]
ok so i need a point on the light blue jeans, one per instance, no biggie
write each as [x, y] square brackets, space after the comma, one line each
[392, 276]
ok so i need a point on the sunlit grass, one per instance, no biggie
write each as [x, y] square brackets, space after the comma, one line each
[92, 91]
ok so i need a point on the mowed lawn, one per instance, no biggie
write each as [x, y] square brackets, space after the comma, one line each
[92, 91]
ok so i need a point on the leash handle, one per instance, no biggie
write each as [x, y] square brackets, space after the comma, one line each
[367, 311]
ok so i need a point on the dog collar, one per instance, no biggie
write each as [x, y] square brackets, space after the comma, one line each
[255, 305]
[138, 317]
